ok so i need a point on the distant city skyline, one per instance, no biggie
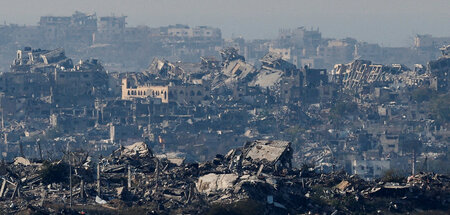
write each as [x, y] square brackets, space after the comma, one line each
[387, 22]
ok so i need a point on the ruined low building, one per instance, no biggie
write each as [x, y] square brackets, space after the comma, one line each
[274, 155]
[445, 51]
[282, 78]
[76, 28]
[440, 71]
[40, 80]
[427, 41]
[184, 31]
[181, 94]
[288, 83]
[124, 133]
[370, 168]
[80, 86]
[31, 60]
[390, 143]
[235, 72]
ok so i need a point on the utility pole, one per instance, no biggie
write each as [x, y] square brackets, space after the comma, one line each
[70, 181]
[21, 149]
[134, 112]
[156, 176]
[3, 121]
[129, 177]
[82, 188]
[149, 128]
[40, 149]
[98, 179]
[413, 171]
[5, 154]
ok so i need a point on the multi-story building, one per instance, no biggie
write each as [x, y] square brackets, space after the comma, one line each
[182, 94]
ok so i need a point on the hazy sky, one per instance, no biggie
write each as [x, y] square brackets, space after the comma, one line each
[389, 22]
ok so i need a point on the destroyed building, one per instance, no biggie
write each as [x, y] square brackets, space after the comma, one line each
[287, 81]
[360, 75]
[45, 86]
[257, 174]
[170, 93]
[235, 73]
[78, 28]
[34, 60]
[439, 70]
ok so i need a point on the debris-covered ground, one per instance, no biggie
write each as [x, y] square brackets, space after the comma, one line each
[257, 178]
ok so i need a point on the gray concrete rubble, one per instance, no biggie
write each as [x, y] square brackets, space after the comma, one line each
[257, 174]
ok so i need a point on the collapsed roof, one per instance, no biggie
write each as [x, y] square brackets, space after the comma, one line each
[30, 59]
[272, 153]
[231, 54]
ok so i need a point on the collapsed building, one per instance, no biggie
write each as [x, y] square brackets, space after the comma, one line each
[77, 28]
[171, 93]
[49, 77]
[360, 76]
[259, 174]
[440, 71]
[235, 73]
[44, 87]
[288, 82]
[35, 60]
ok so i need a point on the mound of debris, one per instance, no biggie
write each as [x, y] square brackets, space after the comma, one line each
[253, 179]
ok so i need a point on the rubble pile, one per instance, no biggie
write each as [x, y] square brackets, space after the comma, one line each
[259, 174]
[235, 71]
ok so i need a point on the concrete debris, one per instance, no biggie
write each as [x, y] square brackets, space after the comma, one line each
[22, 161]
[258, 172]
[139, 149]
[100, 201]
[270, 151]
[215, 182]
[343, 185]
[230, 54]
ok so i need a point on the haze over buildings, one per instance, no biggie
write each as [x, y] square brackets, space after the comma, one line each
[390, 23]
